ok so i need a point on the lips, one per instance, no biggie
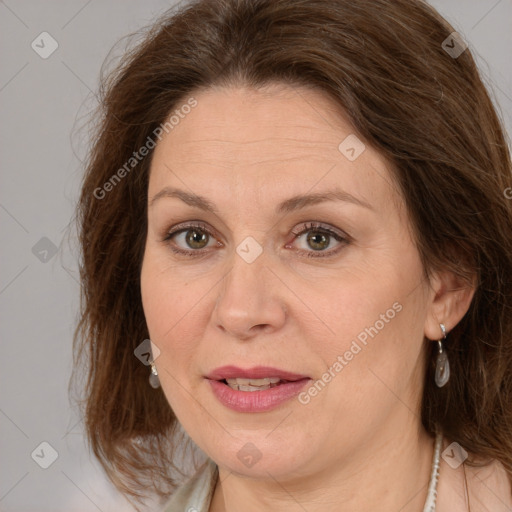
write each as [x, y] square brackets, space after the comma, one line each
[257, 389]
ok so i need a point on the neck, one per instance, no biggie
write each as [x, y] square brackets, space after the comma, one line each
[391, 472]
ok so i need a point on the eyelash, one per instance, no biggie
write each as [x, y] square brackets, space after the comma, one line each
[311, 226]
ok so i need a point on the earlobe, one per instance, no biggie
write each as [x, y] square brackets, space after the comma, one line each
[449, 300]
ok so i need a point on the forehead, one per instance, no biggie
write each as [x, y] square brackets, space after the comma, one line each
[277, 116]
[279, 137]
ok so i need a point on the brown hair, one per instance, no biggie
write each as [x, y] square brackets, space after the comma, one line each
[383, 62]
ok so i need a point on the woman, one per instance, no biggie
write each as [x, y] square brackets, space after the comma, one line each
[302, 204]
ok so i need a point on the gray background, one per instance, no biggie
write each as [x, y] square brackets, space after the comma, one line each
[43, 105]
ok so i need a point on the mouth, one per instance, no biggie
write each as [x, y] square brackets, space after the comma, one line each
[256, 389]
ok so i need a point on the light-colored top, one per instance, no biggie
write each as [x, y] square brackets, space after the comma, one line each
[196, 494]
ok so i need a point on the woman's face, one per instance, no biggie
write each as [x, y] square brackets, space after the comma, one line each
[299, 258]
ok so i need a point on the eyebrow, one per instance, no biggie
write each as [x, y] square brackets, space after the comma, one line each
[289, 205]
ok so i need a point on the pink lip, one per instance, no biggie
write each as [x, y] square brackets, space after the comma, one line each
[255, 401]
[257, 372]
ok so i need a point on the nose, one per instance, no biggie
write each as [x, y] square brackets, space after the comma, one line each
[249, 300]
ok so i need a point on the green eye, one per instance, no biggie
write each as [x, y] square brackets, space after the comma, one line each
[319, 239]
[195, 239]
[192, 236]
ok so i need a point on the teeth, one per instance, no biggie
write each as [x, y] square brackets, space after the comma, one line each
[240, 384]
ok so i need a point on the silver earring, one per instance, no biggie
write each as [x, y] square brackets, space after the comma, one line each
[154, 381]
[442, 363]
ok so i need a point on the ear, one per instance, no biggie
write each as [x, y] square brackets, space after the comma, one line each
[449, 300]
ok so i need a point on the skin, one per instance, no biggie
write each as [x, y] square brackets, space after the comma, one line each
[358, 444]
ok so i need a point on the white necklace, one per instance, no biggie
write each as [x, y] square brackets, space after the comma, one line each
[430, 503]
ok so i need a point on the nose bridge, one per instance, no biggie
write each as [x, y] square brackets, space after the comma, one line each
[247, 297]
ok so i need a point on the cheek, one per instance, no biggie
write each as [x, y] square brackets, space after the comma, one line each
[375, 317]
[171, 305]
[380, 364]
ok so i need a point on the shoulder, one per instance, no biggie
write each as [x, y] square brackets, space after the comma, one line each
[195, 495]
[488, 488]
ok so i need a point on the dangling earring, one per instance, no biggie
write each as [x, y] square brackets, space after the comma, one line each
[154, 381]
[442, 363]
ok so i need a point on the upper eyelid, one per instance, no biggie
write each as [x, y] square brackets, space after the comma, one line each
[312, 225]
[303, 227]
[184, 226]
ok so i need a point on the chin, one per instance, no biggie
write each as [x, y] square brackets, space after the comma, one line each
[257, 456]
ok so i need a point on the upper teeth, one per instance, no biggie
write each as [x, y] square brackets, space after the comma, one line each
[252, 384]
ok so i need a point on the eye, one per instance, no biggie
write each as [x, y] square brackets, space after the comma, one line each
[193, 239]
[319, 238]
[194, 236]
